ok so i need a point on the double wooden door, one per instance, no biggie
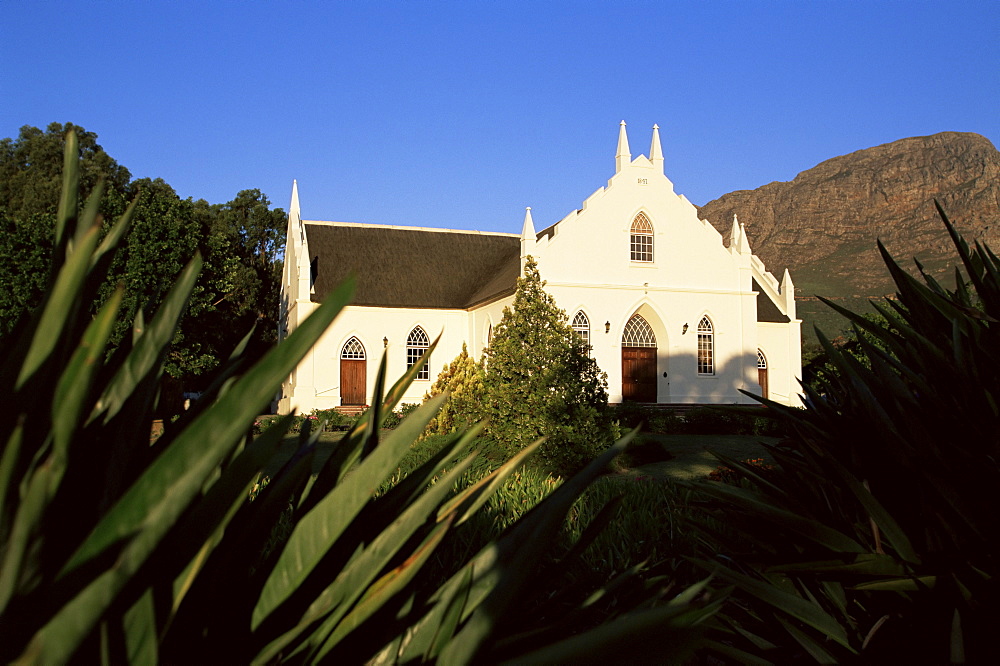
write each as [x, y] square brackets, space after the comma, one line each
[639, 374]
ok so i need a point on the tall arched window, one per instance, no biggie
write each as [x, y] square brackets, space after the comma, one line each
[582, 327]
[642, 238]
[417, 343]
[706, 347]
[638, 333]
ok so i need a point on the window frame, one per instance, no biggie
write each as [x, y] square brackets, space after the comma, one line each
[581, 325]
[354, 357]
[638, 334]
[417, 343]
[706, 347]
[641, 239]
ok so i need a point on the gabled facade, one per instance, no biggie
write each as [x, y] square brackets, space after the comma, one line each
[674, 312]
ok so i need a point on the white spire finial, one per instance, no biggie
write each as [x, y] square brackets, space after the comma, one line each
[744, 246]
[788, 291]
[655, 151]
[734, 235]
[293, 208]
[786, 282]
[528, 236]
[623, 157]
[528, 229]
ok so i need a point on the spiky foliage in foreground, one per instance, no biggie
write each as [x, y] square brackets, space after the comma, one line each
[876, 537]
[541, 382]
[116, 550]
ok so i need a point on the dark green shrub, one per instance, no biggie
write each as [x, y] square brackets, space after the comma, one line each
[629, 414]
[541, 382]
[708, 421]
[662, 422]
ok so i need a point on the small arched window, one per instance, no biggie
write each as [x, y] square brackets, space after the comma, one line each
[706, 347]
[353, 350]
[762, 373]
[582, 327]
[642, 238]
[638, 333]
[417, 343]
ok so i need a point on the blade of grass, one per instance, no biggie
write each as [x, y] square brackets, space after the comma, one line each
[322, 526]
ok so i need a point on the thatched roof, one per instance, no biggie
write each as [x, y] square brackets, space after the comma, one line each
[766, 308]
[414, 268]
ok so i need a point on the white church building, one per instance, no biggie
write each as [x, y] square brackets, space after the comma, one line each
[674, 312]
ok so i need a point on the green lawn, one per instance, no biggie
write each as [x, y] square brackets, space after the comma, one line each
[692, 458]
[291, 443]
[691, 453]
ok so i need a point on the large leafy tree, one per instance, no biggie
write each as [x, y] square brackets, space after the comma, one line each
[30, 184]
[31, 168]
[241, 243]
[252, 235]
[541, 382]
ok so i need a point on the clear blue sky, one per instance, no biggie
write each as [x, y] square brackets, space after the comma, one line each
[460, 114]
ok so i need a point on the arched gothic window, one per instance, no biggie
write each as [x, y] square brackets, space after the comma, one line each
[762, 373]
[706, 347]
[642, 238]
[353, 350]
[638, 333]
[417, 343]
[582, 327]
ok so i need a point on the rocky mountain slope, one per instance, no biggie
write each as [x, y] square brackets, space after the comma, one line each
[823, 224]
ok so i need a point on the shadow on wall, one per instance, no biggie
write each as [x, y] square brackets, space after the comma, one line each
[683, 384]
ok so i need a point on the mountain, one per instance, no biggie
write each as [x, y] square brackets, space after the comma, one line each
[823, 224]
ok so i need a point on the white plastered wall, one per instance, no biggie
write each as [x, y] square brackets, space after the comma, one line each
[586, 264]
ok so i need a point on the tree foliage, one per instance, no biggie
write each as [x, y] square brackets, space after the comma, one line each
[540, 381]
[462, 379]
[241, 243]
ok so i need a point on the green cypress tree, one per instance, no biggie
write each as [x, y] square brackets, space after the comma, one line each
[541, 381]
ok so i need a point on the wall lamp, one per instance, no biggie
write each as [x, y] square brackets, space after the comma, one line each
[385, 342]
[684, 329]
[607, 327]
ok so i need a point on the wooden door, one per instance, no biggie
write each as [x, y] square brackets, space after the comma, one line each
[762, 380]
[639, 374]
[353, 381]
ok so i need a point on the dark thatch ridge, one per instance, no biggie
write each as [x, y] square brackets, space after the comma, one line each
[414, 268]
[767, 310]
